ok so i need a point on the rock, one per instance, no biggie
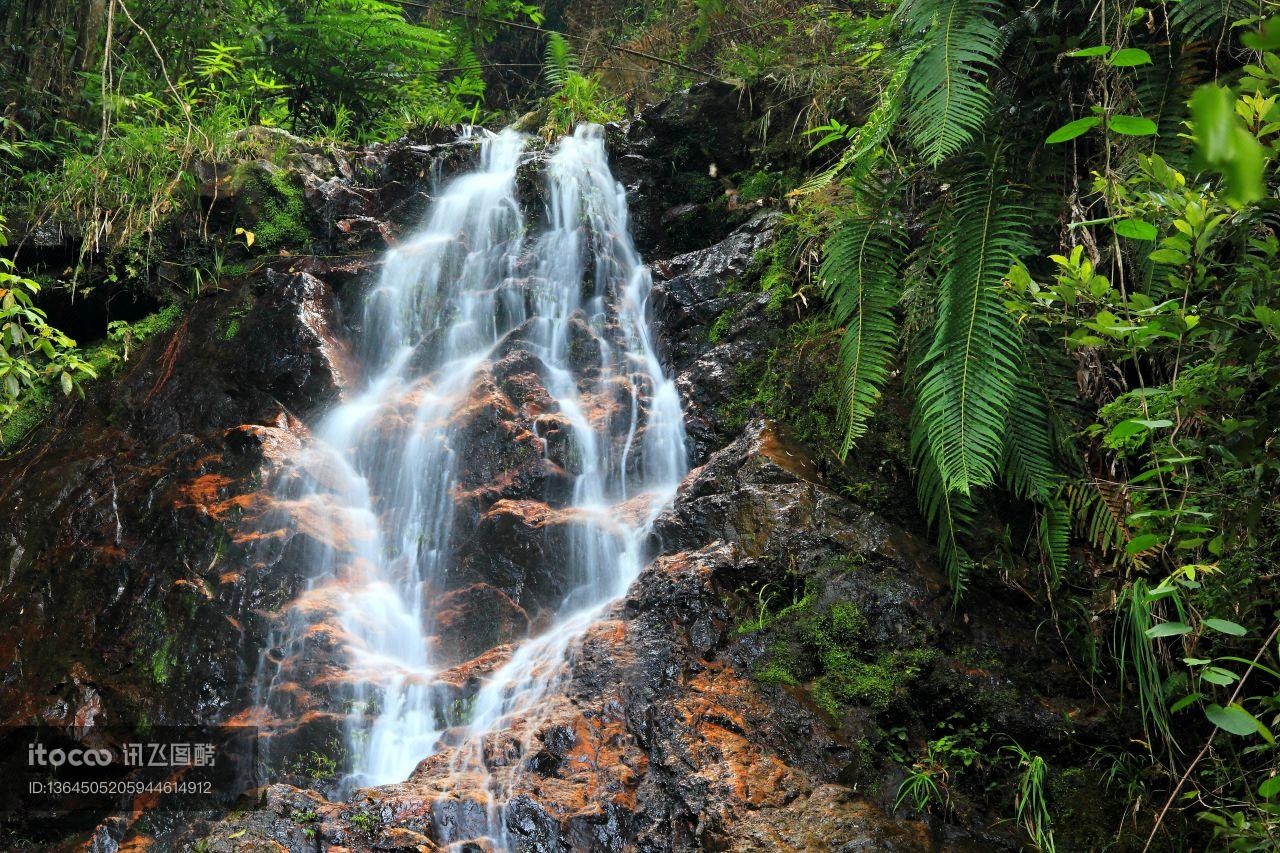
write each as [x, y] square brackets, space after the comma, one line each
[674, 158]
[134, 572]
[517, 547]
[470, 621]
[691, 293]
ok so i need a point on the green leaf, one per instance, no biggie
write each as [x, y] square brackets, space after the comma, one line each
[1132, 125]
[1233, 719]
[1226, 627]
[1218, 675]
[1135, 229]
[1138, 544]
[1131, 427]
[862, 284]
[1072, 129]
[1098, 50]
[1184, 702]
[1226, 145]
[1168, 256]
[1166, 629]
[1129, 57]
[1265, 38]
[969, 373]
[948, 93]
[1269, 788]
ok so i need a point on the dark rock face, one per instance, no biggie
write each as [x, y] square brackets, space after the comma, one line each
[676, 157]
[127, 581]
[690, 293]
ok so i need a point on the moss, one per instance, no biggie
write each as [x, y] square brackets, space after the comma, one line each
[700, 187]
[753, 186]
[833, 647]
[794, 384]
[776, 673]
[31, 411]
[233, 318]
[721, 326]
[846, 680]
[776, 266]
[125, 338]
[163, 662]
[1087, 811]
[277, 209]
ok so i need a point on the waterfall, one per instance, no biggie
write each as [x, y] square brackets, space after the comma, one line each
[474, 283]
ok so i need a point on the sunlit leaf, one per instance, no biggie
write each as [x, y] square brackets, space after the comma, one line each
[1129, 57]
[1226, 145]
[1132, 125]
[1135, 229]
[1072, 129]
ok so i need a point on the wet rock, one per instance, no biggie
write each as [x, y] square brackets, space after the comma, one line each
[133, 567]
[674, 160]
[696, 292]
[517, 547]
[474, 619]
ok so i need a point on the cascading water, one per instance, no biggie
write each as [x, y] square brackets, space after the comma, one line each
[449, 299]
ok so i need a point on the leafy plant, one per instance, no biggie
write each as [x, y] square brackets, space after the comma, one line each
[575, 98]
[1029, 801]
[32, 352]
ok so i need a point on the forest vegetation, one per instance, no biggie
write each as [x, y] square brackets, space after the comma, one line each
[1036, 243]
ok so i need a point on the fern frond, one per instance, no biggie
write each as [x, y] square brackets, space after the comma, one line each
[860, 276]
[1055, 534]
[949, 513]
[971, 369]
[948, 95]
[1028, 466]
[559, 61]
[1195, 19]
[1097, 513]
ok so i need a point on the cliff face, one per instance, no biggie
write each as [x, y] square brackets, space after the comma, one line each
[754, 690]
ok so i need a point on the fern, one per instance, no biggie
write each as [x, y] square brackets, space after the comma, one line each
[1194, 19]
[949, 513]
[948, 97]
[1055, 534]
[1029, 470]
[559, 62]
[1098, 512]
[861, 279]
[1028, 466]
[971, 370]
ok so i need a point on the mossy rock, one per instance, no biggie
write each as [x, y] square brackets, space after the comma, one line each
[271, 206]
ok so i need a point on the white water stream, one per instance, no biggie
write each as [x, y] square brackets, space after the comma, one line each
[446, 300]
